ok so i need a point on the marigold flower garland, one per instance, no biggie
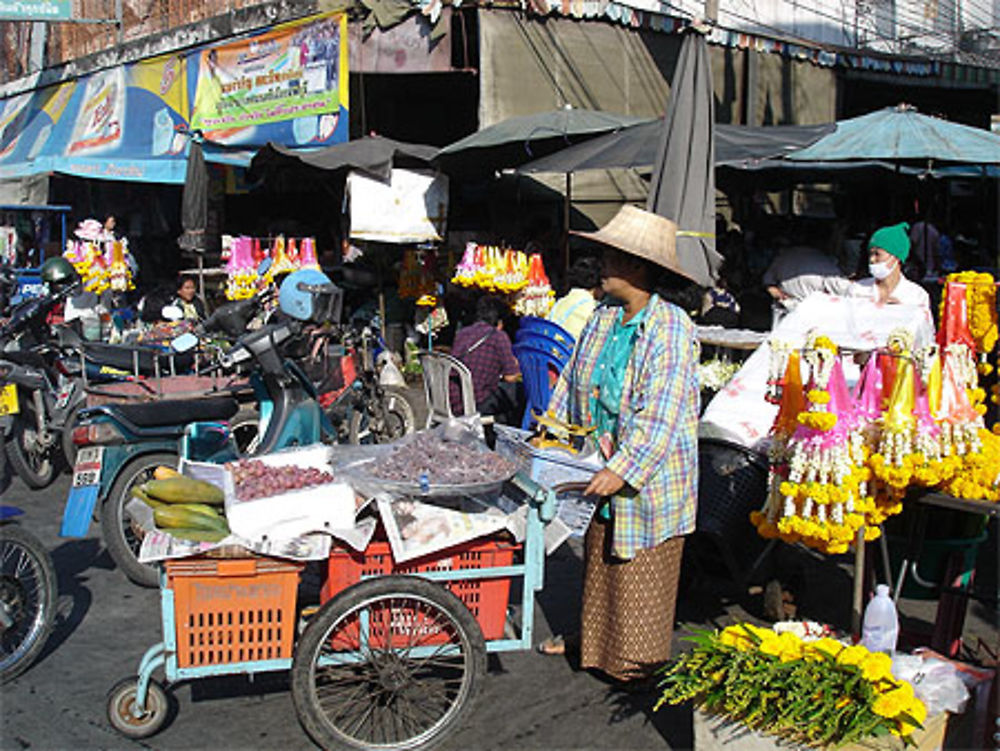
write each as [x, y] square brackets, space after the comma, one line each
[816, 489]
[815, 693]
[841, 463]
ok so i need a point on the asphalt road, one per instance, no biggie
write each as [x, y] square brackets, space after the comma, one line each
[104, 624]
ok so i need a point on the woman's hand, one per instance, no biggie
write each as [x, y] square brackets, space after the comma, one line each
[604, 482]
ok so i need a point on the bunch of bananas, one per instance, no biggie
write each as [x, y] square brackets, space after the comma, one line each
[186, 508]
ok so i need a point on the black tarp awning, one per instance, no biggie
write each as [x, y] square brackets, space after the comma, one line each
[636, 147]
[374, 155]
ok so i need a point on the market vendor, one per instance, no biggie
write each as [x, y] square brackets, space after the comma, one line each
[633, 378]
[888, 249]
[187, 299]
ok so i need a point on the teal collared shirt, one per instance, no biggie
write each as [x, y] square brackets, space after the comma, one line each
[608, 380]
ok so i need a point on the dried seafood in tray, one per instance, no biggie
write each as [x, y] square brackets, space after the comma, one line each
[428, 464]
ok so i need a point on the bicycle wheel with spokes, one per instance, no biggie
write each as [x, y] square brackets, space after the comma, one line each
[391, 663]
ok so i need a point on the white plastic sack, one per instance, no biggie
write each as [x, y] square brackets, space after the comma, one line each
[739, 412]
[935, 682]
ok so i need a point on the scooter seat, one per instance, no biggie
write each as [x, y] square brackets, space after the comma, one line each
[178, 412]
[128, 358]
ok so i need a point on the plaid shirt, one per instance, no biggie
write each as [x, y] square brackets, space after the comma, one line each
[491, 359]
[657, 446]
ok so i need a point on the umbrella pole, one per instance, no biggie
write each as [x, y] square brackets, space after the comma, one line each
[201, 277]
[567, 202]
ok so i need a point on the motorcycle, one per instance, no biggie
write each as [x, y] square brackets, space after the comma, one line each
[38, 393]
[28, 592]
[120, 446]
[363, 408]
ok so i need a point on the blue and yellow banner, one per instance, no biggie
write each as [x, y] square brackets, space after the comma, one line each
[295, 73]
[288, 85]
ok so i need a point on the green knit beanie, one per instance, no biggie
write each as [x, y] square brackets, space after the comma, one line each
[894, 240]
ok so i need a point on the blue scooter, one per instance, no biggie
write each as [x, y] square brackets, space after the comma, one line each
[120, 446]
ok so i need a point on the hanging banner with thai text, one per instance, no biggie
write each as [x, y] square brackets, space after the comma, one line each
[296, 71]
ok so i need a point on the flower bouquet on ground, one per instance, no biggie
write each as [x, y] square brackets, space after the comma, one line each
[813, 693]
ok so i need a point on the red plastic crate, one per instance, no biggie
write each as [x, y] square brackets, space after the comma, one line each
[233, 610]
[485, 598]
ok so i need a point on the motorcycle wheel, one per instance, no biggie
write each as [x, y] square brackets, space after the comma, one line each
[399, 419]
[28, 592]
[36, 466]
[245, 427]
[122, 536]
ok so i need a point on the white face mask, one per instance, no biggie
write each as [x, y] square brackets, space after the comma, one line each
[880, 270]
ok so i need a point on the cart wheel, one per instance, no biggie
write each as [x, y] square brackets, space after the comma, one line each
[390, 663]
[121, 705]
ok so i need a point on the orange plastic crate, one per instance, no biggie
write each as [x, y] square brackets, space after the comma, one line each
[233, 610]
[485, 598]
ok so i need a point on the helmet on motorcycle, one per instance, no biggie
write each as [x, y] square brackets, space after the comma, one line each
[309, 295]
[57, 272]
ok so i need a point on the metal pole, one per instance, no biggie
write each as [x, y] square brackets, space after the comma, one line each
[566, 210]
[859, 579]
[119, 23]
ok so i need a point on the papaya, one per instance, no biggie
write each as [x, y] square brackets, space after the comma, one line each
[178, 517]
[138, 491]
[165, 473]
[184, 490]
[198, 535]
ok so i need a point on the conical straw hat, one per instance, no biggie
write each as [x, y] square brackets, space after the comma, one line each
[642, 234]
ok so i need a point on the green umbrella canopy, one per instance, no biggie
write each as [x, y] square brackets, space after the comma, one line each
[902, 134]
[516, 140]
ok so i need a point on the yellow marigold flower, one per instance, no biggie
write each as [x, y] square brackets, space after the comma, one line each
[818, 396]
[736, 636]
[891, 703]
[791, 646]
[876, 667]
[918, 712]
[825, 646]
[853, 655]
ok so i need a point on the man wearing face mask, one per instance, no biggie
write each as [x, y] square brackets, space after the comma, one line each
[888, 249]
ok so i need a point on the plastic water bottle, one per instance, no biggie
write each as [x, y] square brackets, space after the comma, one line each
[880, 627]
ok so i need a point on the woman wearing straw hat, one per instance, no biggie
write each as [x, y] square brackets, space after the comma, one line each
[633, 377]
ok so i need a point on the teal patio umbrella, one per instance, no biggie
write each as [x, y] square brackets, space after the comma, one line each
[901, 134]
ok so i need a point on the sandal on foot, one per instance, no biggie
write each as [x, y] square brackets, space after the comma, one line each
[557, 646]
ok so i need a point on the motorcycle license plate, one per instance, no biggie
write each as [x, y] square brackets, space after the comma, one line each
[8, 400]
[87, 470]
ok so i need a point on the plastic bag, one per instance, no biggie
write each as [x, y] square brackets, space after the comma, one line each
[935, 682]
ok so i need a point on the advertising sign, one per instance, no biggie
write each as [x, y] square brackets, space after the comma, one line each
[297, 71]
[36, 10]
[99, 122]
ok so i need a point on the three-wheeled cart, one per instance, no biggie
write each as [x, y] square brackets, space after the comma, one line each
[392, 656]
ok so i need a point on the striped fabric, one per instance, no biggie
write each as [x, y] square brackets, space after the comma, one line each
[657, 441]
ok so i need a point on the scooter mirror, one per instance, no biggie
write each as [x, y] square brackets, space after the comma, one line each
[172, 312]
[184, 342]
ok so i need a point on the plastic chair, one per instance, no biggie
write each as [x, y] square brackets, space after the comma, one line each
[537, 362]
[439, 369]
[531, 327]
